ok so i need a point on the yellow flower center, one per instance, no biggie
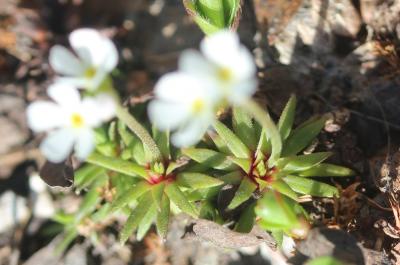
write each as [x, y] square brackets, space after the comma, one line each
[90, 72]
[224, 74]
[198, 105]
[76, 120]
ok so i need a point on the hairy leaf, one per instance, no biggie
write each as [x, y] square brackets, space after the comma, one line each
[237, 147]
[311, 187]
[244, 192]
[327, 170]
[197, 180]
[180, 199]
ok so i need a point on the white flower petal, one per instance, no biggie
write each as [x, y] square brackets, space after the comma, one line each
[107, 106]
[96, 110]
[242, 91]
[193, 62]
[65, 62]
[84, 145]
[65, 95]
[191, 133]
[94, 49]
[220, 46]
[243, 65]
[58, 145]
[44, 115]
[166, 115]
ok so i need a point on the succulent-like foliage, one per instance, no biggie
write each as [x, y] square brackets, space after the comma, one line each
[242, 157]
[122, 172]
[212, 16]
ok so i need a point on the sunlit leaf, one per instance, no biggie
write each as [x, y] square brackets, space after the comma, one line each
[324, 260]
[311, 187]
[302, 137]
[287, 117]
[231, 8]
[162, 219]
[130, 195]
[147, 221]
[117, 165]
[237, 147]
[162, 141]
[302, 162]
[244, 192]
[327, 170]
[243, 127]
[126, 136]
[136, 217]
[197, 180]
[282, 187]
[180, 199]
[234, 177]
[157, 191]
[243, 163]
[209, 158]
[86, 175]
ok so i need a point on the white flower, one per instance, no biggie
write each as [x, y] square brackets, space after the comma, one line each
[226, 63]
[185, 104]
[96, 56]
[70, 121]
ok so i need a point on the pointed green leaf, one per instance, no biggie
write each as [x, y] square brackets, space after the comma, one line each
[205, 24]
[197, 180]
[282, 187]
[324, 260]
[147, 221]
[264, 145]
[233, 178]
[302, 162]
[219, 143]
[237, 147]
[136, 217]
[327, 170]
[86, 175]
[243, 163]
[287, 117]
[157, 191]
[130, 195]
[212, 11]
[162, 141]
[243, 127]
[209, 158]
[278, 236]
[276, 211]
[231, 8]
[302, 136]
[311, 187]
[117, 165]
[244, 192]
[125, 135]
[180, 199]
[162, 219]
[112, 131]
[138, 152]
[246, 220]
[208, 211]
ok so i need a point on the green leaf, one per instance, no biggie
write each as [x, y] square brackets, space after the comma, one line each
[210, 158]
[136, 217]
[311, 187]
[278, 236]
[237, 147]
[327, 170]
[287, 117]
[302, 137]
[231, 8]
[243, 163]
[117, 165]
[86, 175]
[162, 141]
[157, 191]
[197, 180]
[91, 199]
[244, 128]
[246, 220]
[244, 192]
[302, 162]
[324, 260]
[138, 152]
[179, 199]
[112, 131]
[146, 222]
[276, 211]
[130, 195]
[213, 11]
[282, 187]
[219, 143]
[233, 178]
[162, 219]
[125, 135]
[205, 24]
[208, 211]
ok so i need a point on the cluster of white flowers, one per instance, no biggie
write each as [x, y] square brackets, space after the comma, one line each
[186, 101]
[69, 118]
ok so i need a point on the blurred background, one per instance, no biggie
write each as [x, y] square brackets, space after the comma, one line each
[340, 57]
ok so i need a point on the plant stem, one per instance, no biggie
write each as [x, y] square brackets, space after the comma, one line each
[254, 109]
[130, 121]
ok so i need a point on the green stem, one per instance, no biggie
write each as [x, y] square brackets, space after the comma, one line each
[254, 109]
[124, 115]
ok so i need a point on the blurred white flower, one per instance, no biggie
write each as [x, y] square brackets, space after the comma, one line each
[70, 121]
[226, 63]
[185, 104]
[95, 57]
